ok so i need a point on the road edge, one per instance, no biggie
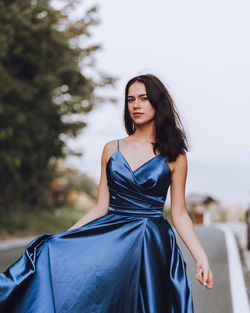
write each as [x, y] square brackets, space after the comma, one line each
[237, 282]
[15, 243]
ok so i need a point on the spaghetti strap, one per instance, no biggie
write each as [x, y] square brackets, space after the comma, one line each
[151, 263]
[117, 144]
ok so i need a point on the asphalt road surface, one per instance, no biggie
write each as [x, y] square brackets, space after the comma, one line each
[218, 299]
[215, 300]
[8, 257]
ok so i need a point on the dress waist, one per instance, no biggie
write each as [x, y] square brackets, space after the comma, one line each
[135, 211]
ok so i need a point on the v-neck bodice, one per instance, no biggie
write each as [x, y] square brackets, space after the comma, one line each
[142, 191]
[131, 252]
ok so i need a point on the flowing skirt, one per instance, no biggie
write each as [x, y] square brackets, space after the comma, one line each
[114, 264]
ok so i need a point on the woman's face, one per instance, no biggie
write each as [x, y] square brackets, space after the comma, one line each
[140, 109]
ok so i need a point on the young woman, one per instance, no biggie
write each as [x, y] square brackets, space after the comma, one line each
[122, 255]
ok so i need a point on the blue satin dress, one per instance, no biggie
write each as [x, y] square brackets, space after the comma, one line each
[127, 261]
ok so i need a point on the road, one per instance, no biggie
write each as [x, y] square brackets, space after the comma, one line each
[216, 300]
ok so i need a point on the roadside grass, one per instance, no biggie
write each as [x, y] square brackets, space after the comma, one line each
[21, 224]
[18, 223]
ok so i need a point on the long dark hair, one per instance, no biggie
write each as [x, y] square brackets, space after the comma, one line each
[170, 137]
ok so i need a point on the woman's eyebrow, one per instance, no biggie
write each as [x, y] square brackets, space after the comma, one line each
[144, 94]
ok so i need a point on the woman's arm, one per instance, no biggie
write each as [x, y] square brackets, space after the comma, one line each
[101, 207]
[184, 224]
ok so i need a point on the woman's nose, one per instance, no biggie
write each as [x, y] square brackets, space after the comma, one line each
[137, 103]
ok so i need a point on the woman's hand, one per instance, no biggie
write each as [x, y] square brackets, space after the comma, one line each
[204, 274]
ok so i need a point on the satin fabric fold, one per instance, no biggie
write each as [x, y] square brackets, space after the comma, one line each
[127, 261]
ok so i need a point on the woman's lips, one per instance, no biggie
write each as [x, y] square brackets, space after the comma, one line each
[137, 114]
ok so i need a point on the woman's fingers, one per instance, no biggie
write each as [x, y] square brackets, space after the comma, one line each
[199, 273]
[210, 280]
[204, 275]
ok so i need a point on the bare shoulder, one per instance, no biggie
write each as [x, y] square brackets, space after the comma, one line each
[109, 148]
[125, 140]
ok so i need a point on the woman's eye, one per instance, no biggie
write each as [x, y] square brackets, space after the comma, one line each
[145, 98]
[130, 100]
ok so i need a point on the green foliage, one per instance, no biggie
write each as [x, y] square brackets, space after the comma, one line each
[43, 88]
[38, 222]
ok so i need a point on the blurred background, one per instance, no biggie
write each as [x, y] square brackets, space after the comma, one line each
[63, 69]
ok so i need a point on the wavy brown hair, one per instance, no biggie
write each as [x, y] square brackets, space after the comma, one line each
[170, 137]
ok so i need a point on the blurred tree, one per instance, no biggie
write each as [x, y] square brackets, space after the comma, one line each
[44, 93]
[69, 185]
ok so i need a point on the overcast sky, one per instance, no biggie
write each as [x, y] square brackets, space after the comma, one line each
[200, 50]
